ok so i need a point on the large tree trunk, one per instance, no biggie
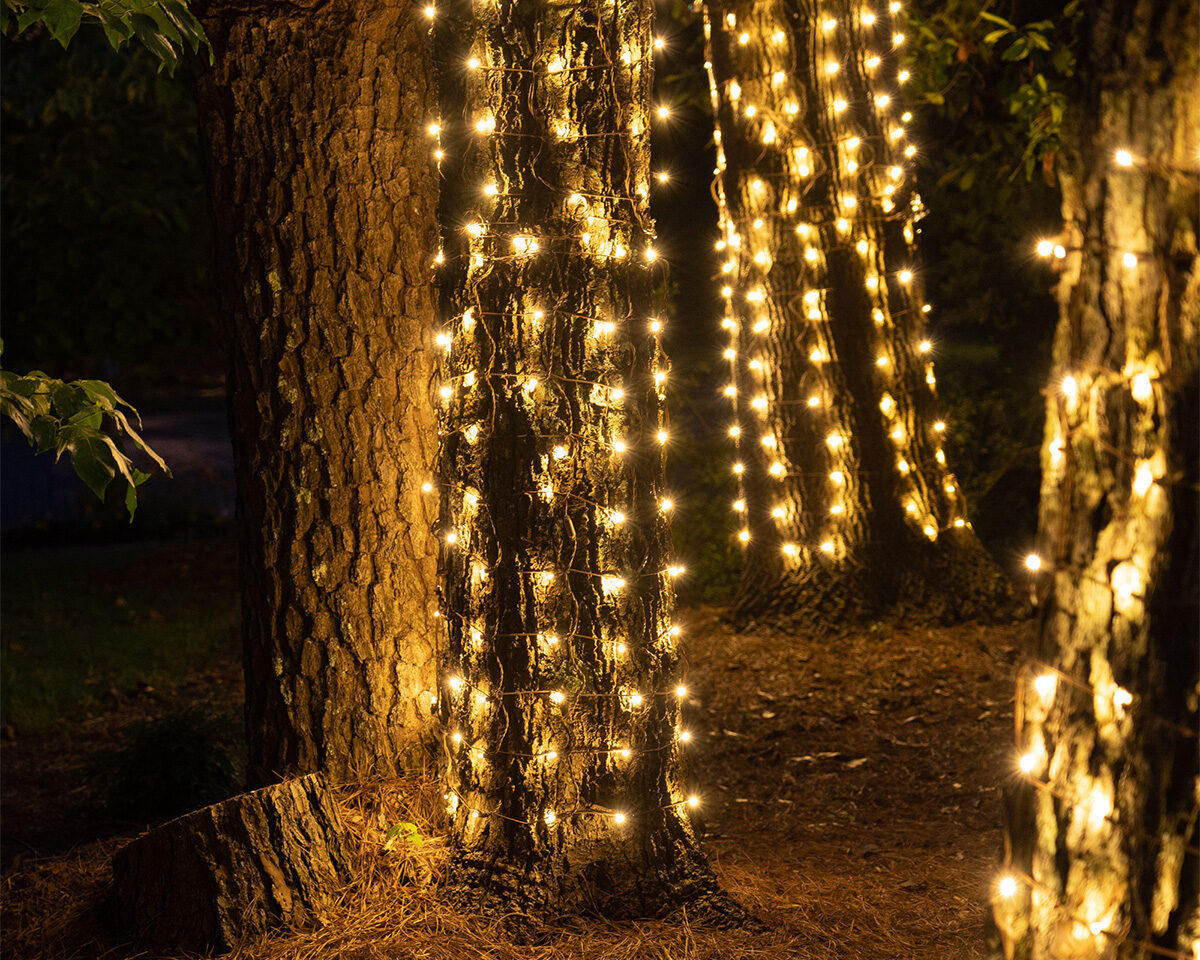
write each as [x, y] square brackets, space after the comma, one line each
[560, 702]
[848, 506]
[1102, 832]
[324, 204]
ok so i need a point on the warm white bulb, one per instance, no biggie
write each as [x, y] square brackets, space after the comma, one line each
[1123, 158]
[1129, 260]
[1033, 562]
[1007, 887]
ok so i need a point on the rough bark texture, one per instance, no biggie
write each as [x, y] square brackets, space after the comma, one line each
[560, 701]
[235, 869]
[324, 204]
[1102, 831]
[848, 507]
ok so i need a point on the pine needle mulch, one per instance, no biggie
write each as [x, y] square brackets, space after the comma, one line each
[851, 802]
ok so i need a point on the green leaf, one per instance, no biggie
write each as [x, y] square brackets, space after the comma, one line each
[90, 456]
[992, 18]
[61, 18]
[147, 32]
[991, 38]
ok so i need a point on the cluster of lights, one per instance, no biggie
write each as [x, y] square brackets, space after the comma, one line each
[761, 215]
[600, 230]
[1129, 259]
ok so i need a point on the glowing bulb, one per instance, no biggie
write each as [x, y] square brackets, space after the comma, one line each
[904, 276]
[1033, 562]
[473, 63]
[868, 18]
[666, 505]
[557, 696]
[827, 547]
[681, 691]
[659, 43]
[839, 105]
[685, 736]
[427, 487]
[1008, 887]
[617, 517]
[739, 506]
[902, 76]
[661, 436]
[619, 446]
[739, 468]
[663, 112]
[1143, 479]
[693, 801]
[635, 699]
[924, 346]
[1028, 762]
[431, 12]
[744, 535]
[831, 67]
[1123, 158]
[1142, 388]
[898, 39]
[1129, 260]
[939, 427]
[1070, 388]
[829, 24]
[618, 818]
[662, 176]
[743, 38]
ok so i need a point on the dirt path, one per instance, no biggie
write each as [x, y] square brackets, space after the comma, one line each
[850, 792]
[858, 779]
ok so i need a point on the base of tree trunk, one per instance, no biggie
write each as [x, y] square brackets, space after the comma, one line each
[260, 860]
[951, 581]
[525, 902]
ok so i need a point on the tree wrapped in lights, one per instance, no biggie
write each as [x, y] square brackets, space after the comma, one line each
[846, 500]
[1101, 857]
[560, 697]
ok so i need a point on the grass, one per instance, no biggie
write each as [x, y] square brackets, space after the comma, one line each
[85, 626]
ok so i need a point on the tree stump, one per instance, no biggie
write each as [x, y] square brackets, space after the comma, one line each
[201, 882]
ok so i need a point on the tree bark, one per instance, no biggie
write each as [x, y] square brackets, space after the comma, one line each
[324, 206]
[1102, 829]
[848, 507]
[560, 702]
[235, 869]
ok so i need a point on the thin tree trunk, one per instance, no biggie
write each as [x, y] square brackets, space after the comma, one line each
[313, 119]
[560, 702]
[1102, 832]
[847, 503]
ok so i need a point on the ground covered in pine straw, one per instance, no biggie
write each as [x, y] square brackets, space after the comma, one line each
[851, 801]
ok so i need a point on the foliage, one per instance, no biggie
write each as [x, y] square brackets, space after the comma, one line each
[83, 419]
[969, 60]
[176, 763]
[105, 229]
[163, 27]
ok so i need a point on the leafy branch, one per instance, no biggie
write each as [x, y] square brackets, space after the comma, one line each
[70, 418]
[164, 27]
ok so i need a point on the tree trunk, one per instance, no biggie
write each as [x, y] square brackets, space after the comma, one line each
[848, 507]
[1102, 830]
[324, 204]
[238, 868]
[560, 702]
